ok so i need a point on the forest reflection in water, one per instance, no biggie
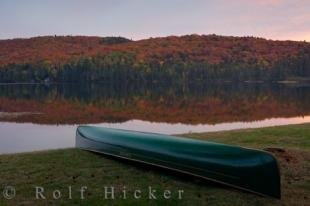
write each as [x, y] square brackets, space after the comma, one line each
[39, 117]
[114, 103]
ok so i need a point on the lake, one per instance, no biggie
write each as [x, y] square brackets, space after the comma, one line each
[39, 117]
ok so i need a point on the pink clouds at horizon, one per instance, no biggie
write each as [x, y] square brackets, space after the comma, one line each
[140, 19]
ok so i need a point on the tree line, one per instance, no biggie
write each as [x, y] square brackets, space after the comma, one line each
[126, 67]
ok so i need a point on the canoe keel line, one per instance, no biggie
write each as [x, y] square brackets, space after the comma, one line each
[247, 169]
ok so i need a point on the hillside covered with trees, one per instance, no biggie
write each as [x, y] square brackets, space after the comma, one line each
[190, 58]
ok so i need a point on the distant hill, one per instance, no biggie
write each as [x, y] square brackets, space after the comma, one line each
[55, 49]
[212, 56]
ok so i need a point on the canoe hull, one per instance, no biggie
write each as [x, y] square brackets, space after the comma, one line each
[251, 170]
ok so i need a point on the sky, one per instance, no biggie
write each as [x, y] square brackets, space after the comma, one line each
[140, 19]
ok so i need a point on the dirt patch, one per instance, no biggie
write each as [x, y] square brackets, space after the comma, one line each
[292, 163]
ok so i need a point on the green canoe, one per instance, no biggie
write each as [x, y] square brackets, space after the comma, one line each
[247, 169]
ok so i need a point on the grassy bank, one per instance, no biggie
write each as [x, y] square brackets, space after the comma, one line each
[59, 169]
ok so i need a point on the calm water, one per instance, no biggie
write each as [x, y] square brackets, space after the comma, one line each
[39, 117]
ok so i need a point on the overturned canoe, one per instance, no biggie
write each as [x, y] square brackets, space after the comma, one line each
[247, 169]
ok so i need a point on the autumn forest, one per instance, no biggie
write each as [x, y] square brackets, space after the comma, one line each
[186, 59]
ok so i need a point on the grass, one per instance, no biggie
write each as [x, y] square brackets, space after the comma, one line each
[289, 136]
[59, 169]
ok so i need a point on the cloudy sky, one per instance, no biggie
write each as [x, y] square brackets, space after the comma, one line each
[137, 19]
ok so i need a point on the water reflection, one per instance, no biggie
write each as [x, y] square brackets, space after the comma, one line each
[188, 104]
[38, 117]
